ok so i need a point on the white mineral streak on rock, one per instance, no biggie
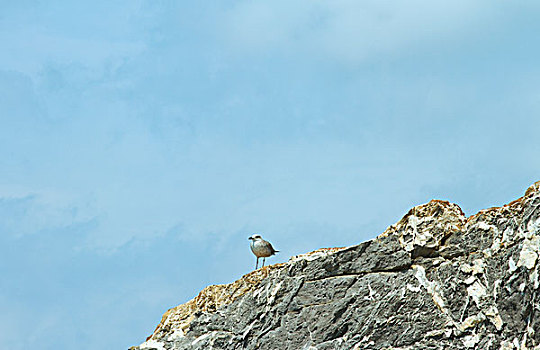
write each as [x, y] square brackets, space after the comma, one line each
[533, 226]
[412, 223]
[529, 252]
[371, 293]
[271, 297]
[530, 330]
[478, 266]
[419, 238]
[523, 234]
[511, 265]
[436, 333]
[413, 288]
[257, 293]
[177, 333]
[439, 261]
[523, 344]
[470, 341]
[471, 321]
[265, 293]
[359, 345]
[203, 337]
[152, 344]
[470, 280]
[493, 314]
[496, 245]
[274, 293]
[466, 268]
[533, 278]
[248, 329]
[506, 345]
[433, 289]
[509, 232]
[308, 346]
[478, 292]
[485, 227]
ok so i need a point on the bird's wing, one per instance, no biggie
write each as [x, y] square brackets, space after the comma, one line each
[271, 248]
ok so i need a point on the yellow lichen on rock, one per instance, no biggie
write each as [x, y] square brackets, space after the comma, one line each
[471, 279]
[177, 319]
[427, 225]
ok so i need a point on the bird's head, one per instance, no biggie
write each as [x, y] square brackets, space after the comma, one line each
[255, 237]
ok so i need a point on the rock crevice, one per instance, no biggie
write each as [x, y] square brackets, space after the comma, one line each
[434, 280]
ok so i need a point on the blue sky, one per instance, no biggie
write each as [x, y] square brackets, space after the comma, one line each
[142, 142]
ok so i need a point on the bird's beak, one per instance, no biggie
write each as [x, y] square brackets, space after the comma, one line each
[250, 238]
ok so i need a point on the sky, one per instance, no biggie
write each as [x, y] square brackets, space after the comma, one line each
[142, 142]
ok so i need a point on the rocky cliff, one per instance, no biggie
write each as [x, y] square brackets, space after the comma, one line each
[434, 280]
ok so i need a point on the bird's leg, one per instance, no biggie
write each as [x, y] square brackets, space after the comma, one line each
[257, 263]
[263, 261]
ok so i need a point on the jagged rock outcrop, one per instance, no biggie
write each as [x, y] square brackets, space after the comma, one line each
[434, 280]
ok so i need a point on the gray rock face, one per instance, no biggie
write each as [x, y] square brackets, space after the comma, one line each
[434, 280]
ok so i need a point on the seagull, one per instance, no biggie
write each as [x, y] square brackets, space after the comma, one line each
[261, 249]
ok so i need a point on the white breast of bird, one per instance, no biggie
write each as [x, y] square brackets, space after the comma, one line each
[261, 248]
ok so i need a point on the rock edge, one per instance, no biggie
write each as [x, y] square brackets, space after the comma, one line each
[434, 280]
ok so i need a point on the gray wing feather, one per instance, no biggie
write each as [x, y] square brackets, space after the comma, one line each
[270, 247]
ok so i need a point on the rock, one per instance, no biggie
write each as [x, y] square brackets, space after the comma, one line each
[434, 280]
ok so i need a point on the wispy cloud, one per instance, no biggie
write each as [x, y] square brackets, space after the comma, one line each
[33, 214]
[350, 31]
[138, 138]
